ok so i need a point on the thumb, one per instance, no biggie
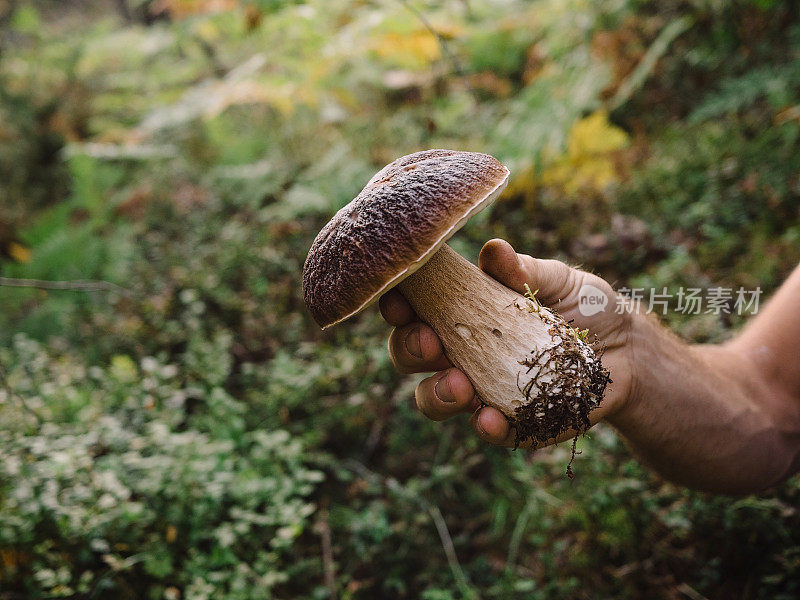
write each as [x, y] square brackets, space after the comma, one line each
[554, 280]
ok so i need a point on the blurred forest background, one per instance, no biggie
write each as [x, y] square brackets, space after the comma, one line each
[194, 435]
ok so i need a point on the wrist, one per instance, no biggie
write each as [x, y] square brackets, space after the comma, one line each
[653, 356]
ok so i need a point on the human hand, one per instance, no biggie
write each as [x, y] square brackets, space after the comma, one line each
[414, 347]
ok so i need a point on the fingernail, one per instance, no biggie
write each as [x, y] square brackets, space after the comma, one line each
[412, 343]
[444, 392]
[478, 423]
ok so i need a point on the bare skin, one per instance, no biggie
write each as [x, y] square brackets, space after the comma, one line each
[722, 418]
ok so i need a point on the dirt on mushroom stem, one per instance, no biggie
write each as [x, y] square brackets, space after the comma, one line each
[567, 382]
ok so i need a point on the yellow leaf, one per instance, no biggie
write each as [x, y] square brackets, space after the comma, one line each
[171, 534]
[595, 135]
[412, 50]
[588, 161]
[123, 368]
[207, 30]
[180, 9]
[19, 252]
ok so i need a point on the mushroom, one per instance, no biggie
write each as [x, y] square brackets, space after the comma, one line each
[521, 357]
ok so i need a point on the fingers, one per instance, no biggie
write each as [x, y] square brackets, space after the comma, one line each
[415, 348]
[449, 393]
[395, 309]
[553, 279]
[492, 426]
[445, 394]
[498, 259]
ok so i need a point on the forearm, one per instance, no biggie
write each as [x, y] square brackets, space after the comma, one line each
[705, 416]
[771, 339]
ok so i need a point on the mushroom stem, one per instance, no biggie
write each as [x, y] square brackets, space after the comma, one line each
[521, 358]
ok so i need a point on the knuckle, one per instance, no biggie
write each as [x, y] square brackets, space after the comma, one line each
[564, 279]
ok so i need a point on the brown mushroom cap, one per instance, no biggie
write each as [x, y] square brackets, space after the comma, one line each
[406, 212]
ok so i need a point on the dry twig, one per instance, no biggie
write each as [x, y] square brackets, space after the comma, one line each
[71, 286]
[323, 528]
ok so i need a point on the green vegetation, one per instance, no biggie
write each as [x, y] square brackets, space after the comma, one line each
[198, 437]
